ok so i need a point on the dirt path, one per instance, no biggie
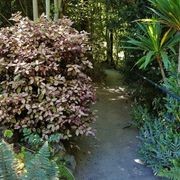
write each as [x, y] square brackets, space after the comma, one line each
[112, 155]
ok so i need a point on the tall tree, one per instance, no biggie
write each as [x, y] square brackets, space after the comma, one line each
[109, 34]
[48, 7]
[60, 4]
[35, 9]
[57, 9]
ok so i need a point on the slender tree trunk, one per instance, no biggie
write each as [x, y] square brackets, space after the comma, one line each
[107, 44]
[109, 40]
[48, 9]
[109, 35]
[56, 10]
[35, 10]
[161, 68]
[111, 47]
[60, 4]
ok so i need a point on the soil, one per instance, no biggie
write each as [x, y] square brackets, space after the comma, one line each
[112, 155]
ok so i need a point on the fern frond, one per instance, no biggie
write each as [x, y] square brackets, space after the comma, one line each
[7, 162]
[40, 167]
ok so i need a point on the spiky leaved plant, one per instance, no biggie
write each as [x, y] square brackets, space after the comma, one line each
[168, 11]
[154, 43]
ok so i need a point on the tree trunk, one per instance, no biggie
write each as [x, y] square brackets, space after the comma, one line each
[60, 4]
[109, 35]
[55, 10]
[48, 9]
[161, 68]
[109, 40]
[111, 48]
[35, 10]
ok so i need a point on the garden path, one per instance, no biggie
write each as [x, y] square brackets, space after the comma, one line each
[112, 155]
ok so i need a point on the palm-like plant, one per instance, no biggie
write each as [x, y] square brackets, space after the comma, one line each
[154, 43]
[168, 12]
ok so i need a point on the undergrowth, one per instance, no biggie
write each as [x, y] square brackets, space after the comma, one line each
[160, 132]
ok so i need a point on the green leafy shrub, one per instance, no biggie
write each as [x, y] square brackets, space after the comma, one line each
[160, 144]
[32, 139]
[35, 141]
[66, 162]
[45, 87]
[140, 115]
[159, 133]
[172, 104]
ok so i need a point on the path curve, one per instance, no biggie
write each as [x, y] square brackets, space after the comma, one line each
[113, 154]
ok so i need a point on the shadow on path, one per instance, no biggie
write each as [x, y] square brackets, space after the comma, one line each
[112, 155]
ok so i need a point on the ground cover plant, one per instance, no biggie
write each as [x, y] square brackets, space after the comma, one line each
[159, 133]
[45, 87]
[160, 145]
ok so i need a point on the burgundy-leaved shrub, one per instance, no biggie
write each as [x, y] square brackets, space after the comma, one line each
[44, 82]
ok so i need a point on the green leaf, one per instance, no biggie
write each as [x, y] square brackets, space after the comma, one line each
[165, 59]
[165, 37]
[148, 59]
[140, 61]
[8, 133]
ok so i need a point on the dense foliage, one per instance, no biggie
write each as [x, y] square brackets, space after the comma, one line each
[35, 166]
[106, 21]
[44, 83]
[160, 144]
[159, 120]
[155, 45]
[159, 133]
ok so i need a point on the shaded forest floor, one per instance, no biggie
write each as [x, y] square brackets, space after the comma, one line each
[112, 155]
